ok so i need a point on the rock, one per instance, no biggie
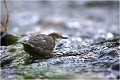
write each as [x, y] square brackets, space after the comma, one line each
[115, 66]
[110, 52]
[5, 59]
[118, 76]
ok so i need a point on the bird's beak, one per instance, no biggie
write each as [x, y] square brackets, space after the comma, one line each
[64, 37]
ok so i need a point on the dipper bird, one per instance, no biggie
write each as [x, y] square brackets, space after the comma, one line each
[41, 45]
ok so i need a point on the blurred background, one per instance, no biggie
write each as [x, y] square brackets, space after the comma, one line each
[73, 18]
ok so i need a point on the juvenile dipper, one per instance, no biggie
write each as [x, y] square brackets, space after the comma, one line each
[41, 45]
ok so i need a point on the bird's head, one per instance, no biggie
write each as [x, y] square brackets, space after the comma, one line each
[57, 36]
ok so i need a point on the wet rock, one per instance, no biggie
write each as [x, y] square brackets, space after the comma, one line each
[118, 77]
[82, 59]
[36, 70]
[5, 59]
[10, 74]
[111, 52]
[115, 66]
[103, 4]
[102, 64]
[115, 41]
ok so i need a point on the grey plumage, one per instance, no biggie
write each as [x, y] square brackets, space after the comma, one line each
[41, 45]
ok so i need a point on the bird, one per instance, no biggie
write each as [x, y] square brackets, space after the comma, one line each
[41, 45]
